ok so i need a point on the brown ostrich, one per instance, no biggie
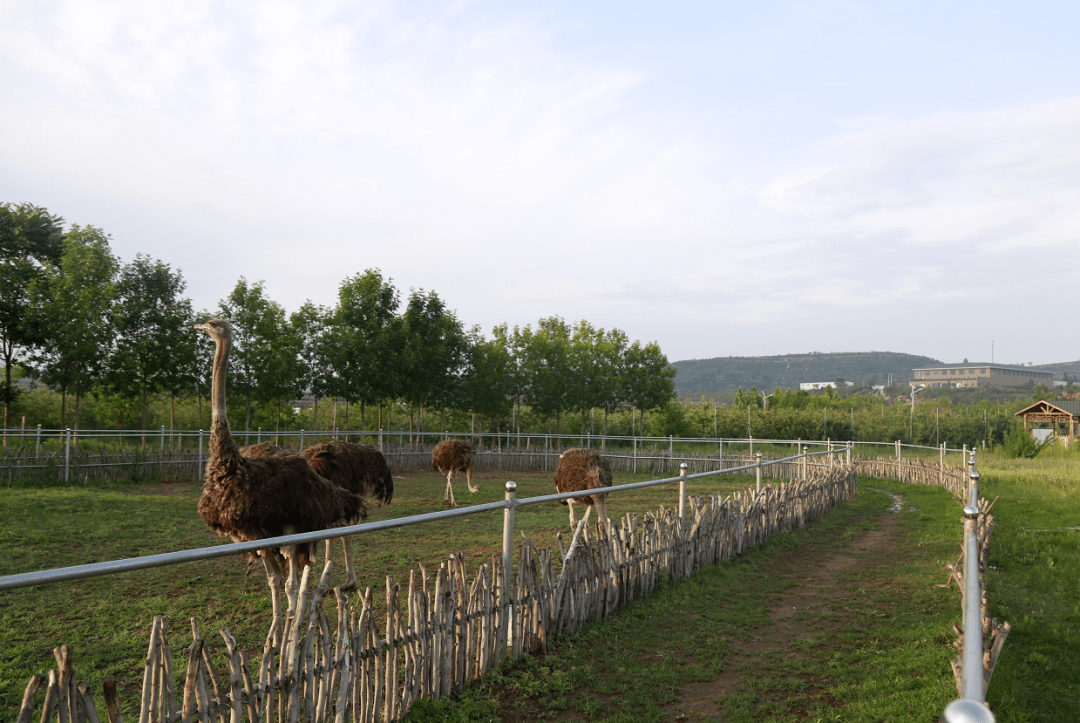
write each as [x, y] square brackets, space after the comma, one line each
[449, 457]
[582, 469]
[252, 498]
[358, 468]
[262, 449]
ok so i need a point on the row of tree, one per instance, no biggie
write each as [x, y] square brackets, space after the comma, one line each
[82, 322]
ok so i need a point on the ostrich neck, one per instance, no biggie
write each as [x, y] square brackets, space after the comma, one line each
[217, 384]
[221, 440]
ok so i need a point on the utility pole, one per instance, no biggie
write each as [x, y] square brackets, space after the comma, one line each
[911, 422]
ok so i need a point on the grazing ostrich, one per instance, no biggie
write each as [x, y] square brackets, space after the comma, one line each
[449, 457]
[252, 498]
[262, 449]
[358, 468]
[579, 470]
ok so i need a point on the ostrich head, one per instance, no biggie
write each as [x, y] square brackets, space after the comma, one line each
[219, 330]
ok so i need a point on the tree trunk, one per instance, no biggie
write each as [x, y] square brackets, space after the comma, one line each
[363, 420]
[7, 391]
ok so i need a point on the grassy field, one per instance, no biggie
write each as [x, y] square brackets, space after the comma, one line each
[867, 636]
[107, 619]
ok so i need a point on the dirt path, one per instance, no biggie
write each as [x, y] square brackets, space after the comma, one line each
[809, 610]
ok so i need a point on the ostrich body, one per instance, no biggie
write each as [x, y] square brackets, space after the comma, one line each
[449, 457]
[358, 468]
[579, 470]
[251, 498]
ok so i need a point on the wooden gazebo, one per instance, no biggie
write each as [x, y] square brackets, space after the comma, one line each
[1062, 416]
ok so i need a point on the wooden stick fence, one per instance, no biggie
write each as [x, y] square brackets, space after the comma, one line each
[993, 632]
[442, 631]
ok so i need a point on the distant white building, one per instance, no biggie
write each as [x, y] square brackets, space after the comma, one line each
[810, 386]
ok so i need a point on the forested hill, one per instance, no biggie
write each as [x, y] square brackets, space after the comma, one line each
[725, 374]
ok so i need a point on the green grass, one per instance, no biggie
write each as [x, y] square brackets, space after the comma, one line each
[879, 649]
[107, 619]
[1036, 585]
[875, 648]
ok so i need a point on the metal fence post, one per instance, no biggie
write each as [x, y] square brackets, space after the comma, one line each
[682, 492]
[971, 674]
[200, 455]
[751, 445]
[898, 451]
[671, 446]
[758, 472]
[635, 454]
[301, 439]
[37, 442]
[721, 453]
[508, 535]
[805, 463]
[847, 452]
[67, 453]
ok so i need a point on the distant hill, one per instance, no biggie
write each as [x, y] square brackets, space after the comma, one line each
[726, 374]
[1061, 369]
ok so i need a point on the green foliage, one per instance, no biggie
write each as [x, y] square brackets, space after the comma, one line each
[1020, 443]
[365, 343]
[154, 349]
[30, 240]
[73, 301]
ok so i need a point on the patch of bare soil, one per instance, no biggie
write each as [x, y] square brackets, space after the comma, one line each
[808, 611]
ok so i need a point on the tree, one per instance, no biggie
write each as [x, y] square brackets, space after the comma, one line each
[266, 367]
[310, 325]
[365, 341]
[153, 347]
[649, 378]
[30, 239]
[610, 382]
[548, 368]
[75, 306]
[434, 351]
[488, 379]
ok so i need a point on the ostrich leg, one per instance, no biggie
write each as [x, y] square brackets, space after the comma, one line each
[468, 480]
[601, 508]
[449, 496]
[275, 578]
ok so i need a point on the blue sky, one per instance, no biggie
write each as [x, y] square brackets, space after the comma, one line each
[724, 178]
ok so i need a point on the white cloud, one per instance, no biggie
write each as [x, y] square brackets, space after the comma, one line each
[468, 151]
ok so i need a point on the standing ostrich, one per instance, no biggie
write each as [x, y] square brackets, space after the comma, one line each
[582, 469]
[358, 468]
[252, 498]
[449, 457]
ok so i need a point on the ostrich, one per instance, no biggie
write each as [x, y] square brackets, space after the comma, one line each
[252, 498]
[449, 457]
[583, 469]
[358, 468]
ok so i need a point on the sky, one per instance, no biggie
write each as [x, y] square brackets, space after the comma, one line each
[724, 178]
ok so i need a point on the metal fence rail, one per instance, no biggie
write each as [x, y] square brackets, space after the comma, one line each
[976, 663]
[98, 569]
[69, 456]
[434, 645]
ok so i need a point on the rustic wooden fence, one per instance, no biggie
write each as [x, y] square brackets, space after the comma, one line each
[443, 630]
